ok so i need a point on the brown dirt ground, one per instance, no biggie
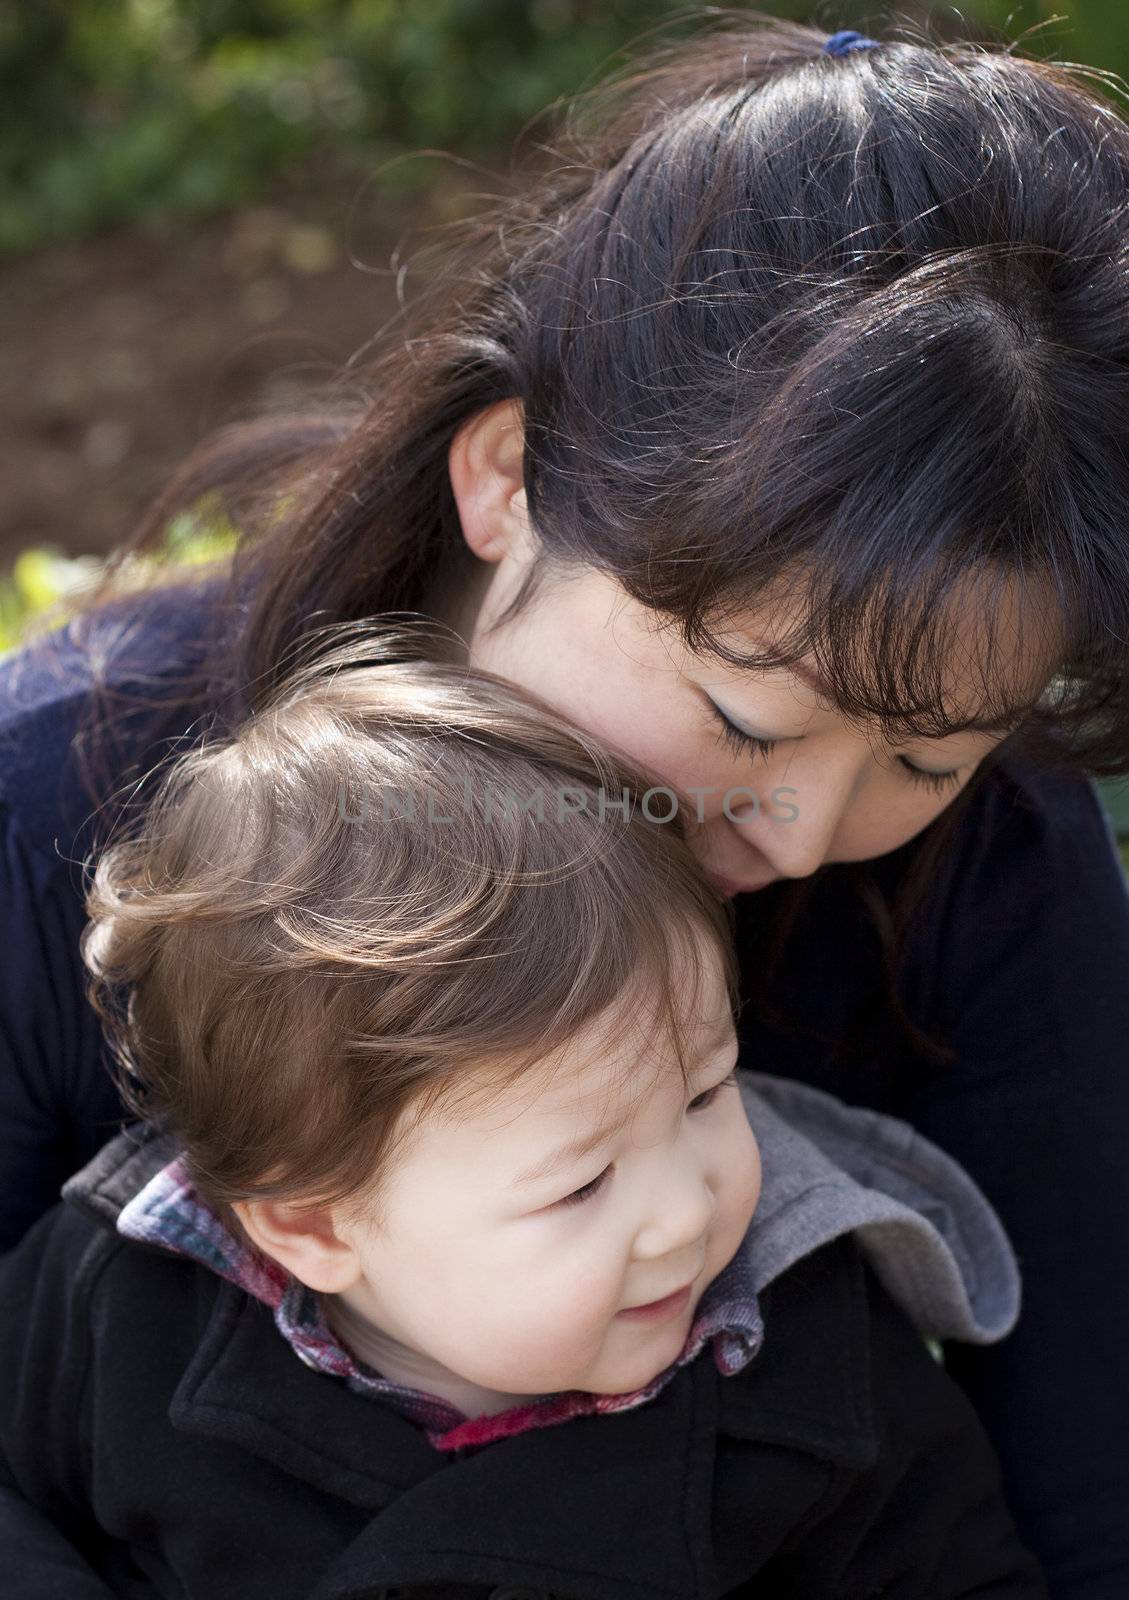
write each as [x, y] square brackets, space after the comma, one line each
[120, 352]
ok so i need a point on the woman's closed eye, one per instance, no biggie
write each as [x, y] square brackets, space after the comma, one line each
[740, 742]
[938, 781]
[743, 743]
[700, 1102]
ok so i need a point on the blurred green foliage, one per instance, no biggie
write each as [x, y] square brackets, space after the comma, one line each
[44, 584]
[125, 109]
[119, 110]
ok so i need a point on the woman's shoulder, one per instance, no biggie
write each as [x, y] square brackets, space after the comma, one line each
[1035, 840]
[1026, 830]
[1032, 804]
[84, 707]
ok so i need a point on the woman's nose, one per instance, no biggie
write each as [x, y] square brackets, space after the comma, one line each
[795, 824]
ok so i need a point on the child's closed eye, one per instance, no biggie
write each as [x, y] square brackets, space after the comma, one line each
[700, 1102]
[708, 1096]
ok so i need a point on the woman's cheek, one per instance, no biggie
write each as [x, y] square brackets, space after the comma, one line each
[704, 774]
[885, 823]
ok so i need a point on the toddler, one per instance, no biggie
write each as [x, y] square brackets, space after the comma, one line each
[452, 1255]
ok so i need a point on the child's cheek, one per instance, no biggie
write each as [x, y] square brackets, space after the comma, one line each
[741, 1195]
[562, 1314]
[539, 1350]
[752, 1175]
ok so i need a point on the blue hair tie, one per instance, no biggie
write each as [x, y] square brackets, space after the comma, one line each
[846, 40]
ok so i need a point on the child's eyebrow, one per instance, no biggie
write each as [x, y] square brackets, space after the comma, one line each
[569, 1154]
[573, 1152]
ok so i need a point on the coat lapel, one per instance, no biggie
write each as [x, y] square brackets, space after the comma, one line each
[612, 1507]
[615, 1507]
[245, 1385]
[599, 1508]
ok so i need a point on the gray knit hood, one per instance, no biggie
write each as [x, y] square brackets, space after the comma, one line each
[930, 1235]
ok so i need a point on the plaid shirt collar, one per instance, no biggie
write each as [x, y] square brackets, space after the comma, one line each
[168, 1212]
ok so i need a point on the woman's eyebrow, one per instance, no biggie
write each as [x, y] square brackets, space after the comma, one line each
[813, 680]
[1005, 722]
[808, 675]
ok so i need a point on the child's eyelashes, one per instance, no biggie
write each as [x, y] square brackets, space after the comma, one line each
[708, 1096]
[742, 743]
[700, 1102]
[587, 1191]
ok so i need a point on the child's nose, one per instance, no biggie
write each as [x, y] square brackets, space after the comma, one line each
[682, 1209]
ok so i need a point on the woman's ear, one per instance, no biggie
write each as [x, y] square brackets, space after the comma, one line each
[485, 464]
[304, 1239]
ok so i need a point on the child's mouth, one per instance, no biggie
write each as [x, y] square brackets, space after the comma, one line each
[659, 1310]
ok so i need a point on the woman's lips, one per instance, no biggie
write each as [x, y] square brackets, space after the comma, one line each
[660, 1310]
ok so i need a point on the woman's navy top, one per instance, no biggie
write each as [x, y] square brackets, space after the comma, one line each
[1020, 961]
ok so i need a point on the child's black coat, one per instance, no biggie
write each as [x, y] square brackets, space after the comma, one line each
[840, 1464]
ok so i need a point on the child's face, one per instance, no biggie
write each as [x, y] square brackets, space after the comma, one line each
[522, 1284]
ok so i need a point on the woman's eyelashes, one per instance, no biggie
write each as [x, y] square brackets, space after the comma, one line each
[742, 743]
[937, 781]
[700, 1102]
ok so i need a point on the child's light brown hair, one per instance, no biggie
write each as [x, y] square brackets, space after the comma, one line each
[384, 880]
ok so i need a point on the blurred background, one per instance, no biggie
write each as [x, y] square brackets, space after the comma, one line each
[204, 205]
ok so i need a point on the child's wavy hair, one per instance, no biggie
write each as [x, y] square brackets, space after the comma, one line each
[853, 329]
[399, 882]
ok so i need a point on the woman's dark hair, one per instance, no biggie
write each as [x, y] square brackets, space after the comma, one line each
[850, 329]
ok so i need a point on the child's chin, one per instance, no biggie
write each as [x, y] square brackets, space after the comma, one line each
[665, 1346]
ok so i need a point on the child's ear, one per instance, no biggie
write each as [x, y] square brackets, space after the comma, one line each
[485, 465]
[303, 1239]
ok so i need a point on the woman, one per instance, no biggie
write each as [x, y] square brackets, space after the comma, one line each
[777, 436]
